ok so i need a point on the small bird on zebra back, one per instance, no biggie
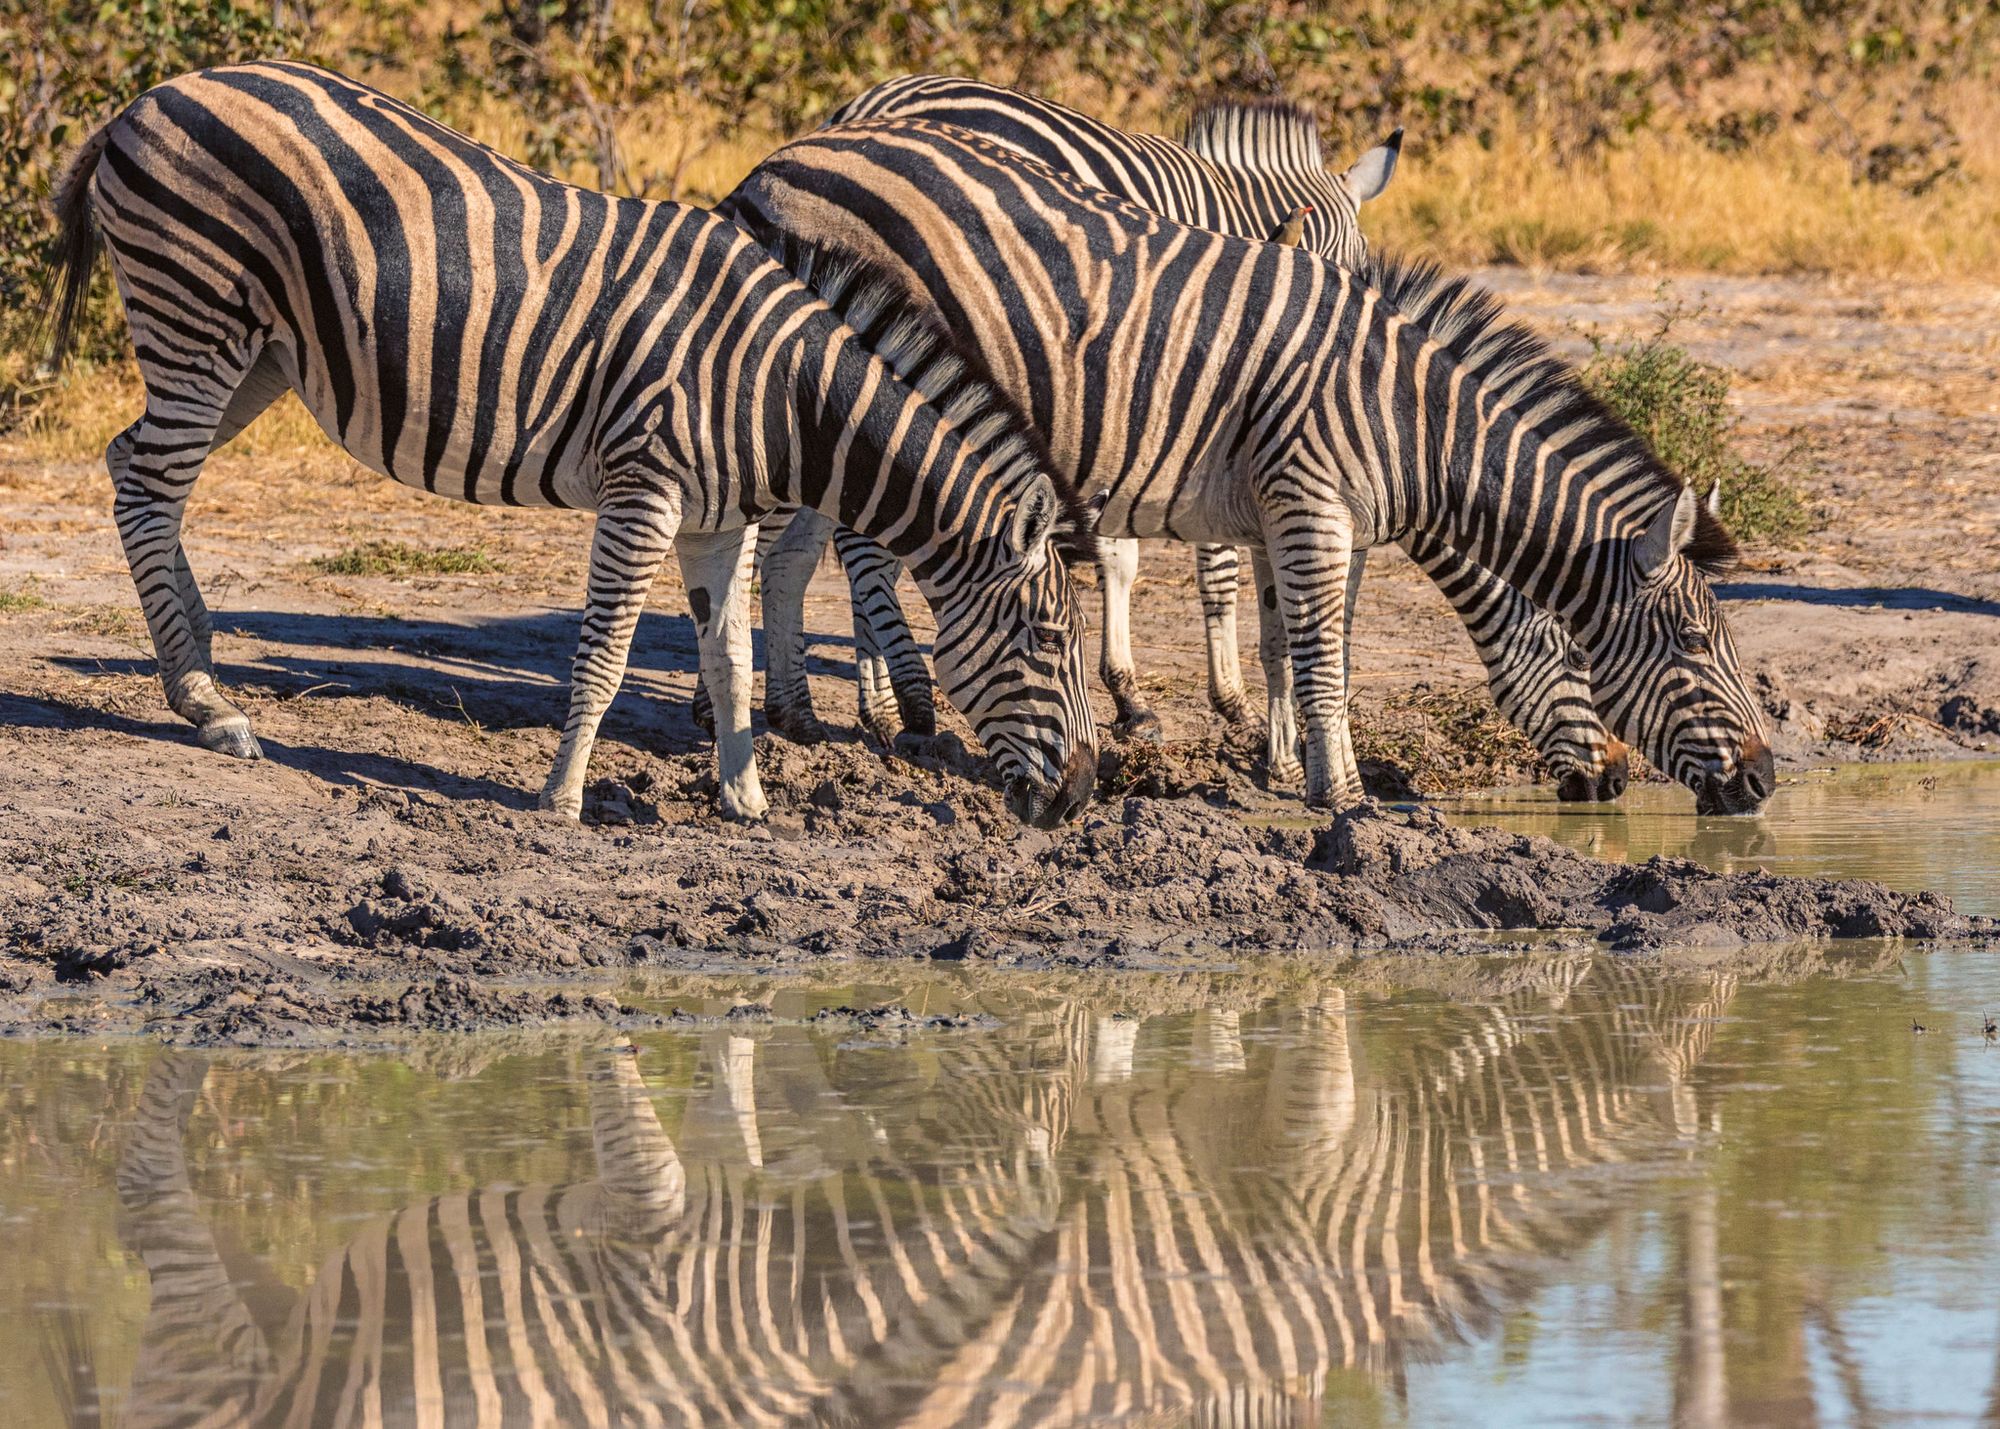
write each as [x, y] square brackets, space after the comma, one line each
[476, 329]
[1219, 390]
[1256, 170]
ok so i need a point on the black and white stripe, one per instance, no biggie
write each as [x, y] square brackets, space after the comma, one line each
[475, 328]
[1251, 169]
[1084, 1216]
[1214, 389]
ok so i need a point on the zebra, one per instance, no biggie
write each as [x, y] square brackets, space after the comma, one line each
[1044, 1232]
[1254, 170]
[472, 327]
[708, 1277]
[1213, 389]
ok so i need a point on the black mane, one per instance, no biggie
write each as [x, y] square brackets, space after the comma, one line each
[924, 353]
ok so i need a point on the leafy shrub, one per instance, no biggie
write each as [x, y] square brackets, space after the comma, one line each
[1680, 405]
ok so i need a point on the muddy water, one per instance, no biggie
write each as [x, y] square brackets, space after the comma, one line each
[1529, 1190]
[1914, 827]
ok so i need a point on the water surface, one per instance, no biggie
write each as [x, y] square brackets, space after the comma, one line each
[1910, 826]
[1531, 1190]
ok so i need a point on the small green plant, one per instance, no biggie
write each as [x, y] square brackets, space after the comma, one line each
[1680, 405]
[28, 597]
[394, 558]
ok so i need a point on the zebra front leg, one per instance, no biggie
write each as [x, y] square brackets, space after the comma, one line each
[887, 658]
[717, 566]
[1357, 562]
[1310, 566]
[153, 465]
[1216, 577]
[787, 569]
[634, 532]
[1119, 563]
[1282, 769]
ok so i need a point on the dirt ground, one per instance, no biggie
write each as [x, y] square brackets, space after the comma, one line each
[384, 867]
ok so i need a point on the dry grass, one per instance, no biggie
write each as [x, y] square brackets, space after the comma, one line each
[1663, 203]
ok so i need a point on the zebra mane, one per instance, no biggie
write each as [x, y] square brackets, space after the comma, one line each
[1471, 323]
[1258, 135]
[921, 351]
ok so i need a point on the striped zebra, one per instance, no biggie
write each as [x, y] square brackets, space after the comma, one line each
[474, 328]
[1254, 170]
[1216, 390]
[1276, 1200]
[732, 1273]
[1207, 1214]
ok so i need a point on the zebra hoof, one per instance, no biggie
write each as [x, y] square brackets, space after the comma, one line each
[1284, 774]
[882, 728]
[563, 805]
[919, 717]
[231, 736]
[1141, 725]
[799, 729]
[1236, 713]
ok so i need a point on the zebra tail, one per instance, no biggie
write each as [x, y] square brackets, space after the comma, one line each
[66, 281]
[70, 1359]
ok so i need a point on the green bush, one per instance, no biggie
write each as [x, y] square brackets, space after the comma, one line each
[1680, 405]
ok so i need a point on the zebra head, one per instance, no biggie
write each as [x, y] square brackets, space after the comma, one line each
[1010, 655]
[1664, 669]
[1540, 678]
[1269, 151]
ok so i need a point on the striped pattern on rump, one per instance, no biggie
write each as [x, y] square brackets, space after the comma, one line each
[472, 327]
[1213, 389]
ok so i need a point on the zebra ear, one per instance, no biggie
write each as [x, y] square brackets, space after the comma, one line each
[1372, 171]
[1667, 534]
[1034, 519]
[1715, 499]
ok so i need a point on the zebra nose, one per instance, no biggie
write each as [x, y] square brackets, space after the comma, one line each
[1617, 771]
[1756, 768]
[1079, 782]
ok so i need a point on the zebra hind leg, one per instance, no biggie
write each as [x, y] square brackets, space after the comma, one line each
[153, 465]
[787, 567]
[894, 682]
[1119, 563]
[716, 566]
[1216, 576]
[1282, 768]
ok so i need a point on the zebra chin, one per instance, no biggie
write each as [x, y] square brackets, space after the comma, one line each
[1050, 806]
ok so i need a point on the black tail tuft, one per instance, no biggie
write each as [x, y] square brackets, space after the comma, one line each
[66, 283]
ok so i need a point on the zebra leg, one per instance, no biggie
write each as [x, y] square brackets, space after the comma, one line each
[887, 656]
[1310, 565]
[1281, 730]
[637, 1165]
[200, 1344]
[1119, 562]
[635, 530]
[153, 465]
[1356, 563]
[787, 570]
[717, 568]
[1216, 577]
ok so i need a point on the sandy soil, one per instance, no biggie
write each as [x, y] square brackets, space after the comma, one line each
[389, 838]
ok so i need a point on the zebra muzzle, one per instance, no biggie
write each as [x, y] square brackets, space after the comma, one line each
[1047, 807]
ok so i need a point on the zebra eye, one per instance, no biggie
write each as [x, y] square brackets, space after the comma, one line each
[1694, 640]
[1577, 659]
[1049, 638]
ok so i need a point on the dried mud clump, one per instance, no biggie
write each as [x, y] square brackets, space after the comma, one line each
[394, 913]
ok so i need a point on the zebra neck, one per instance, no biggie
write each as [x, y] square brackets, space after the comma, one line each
[1539, 504]
[872, 453]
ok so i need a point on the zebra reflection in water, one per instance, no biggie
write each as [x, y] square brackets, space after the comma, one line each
[1085, 1216]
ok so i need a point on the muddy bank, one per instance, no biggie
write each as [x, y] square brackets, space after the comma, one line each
[386, 912]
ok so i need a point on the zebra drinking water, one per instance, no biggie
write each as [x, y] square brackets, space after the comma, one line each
[472, 327]
[1254, 170]
[1213, 389]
